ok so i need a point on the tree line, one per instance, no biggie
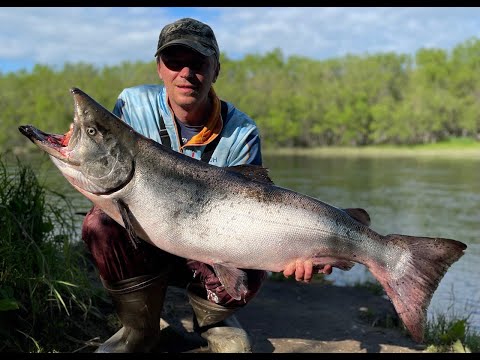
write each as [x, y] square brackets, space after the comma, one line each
[354, 100]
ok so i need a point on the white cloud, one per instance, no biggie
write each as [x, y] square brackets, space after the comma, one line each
[96, 35]
[327, 32]
[111, 35]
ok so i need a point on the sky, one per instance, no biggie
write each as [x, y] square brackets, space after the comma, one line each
[108, 36]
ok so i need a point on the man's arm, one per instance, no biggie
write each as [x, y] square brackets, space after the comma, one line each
[248, 152]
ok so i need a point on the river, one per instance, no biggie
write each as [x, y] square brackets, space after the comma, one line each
[413, 196]
[422, 196]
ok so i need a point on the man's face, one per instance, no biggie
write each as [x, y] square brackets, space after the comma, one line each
[187, 76]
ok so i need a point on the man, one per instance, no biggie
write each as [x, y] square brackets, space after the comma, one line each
[186, 115]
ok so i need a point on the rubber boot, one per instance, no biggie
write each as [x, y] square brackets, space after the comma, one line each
[217, 324]
[138, 303]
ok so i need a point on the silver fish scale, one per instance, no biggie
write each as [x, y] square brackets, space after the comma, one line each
[247, 224]
[271, 235]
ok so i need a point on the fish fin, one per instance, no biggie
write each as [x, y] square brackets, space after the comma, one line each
[412, 276]
[126, 217]
[234, 280]
[253, 172]
[345, 265]
[319, 263]
[359, 214]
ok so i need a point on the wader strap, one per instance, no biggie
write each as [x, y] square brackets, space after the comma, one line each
[164, 134]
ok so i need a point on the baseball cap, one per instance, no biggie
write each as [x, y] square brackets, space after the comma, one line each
[191, 33]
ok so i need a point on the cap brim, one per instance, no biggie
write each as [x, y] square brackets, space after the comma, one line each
[194, 45]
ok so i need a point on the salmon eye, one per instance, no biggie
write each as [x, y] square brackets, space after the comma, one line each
[91, 131]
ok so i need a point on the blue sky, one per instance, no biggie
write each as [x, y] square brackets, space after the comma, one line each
[107, 36]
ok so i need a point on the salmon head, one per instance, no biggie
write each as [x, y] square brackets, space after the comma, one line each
[97, 154]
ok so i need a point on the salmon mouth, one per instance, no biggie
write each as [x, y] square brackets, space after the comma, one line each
[56, 145]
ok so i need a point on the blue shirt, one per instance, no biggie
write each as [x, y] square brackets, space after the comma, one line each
[141, 107]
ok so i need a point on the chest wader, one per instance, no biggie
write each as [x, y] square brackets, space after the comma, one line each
[139, 301]
[217, 324]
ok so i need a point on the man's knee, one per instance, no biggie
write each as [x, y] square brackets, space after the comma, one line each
[96, 221]
[99, 230]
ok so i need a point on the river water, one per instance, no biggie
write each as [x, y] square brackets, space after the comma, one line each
[423, 196]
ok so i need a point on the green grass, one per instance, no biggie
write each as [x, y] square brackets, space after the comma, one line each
[373, 287]
[454, 147]
[46, 295]
[452, 143]
[451, 334]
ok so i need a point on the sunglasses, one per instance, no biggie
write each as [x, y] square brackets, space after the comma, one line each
[175, 62]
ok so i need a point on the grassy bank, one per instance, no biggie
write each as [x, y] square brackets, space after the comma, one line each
[48, 300]
[454, 148]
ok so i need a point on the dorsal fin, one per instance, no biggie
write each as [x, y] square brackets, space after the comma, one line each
[254, 172]
[359, 214]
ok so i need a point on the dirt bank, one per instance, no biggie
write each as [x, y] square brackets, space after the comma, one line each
[288, 317]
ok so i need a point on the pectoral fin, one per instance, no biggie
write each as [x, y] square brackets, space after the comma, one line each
[126, 217]
[234, 280]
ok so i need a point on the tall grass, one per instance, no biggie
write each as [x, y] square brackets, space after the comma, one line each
[45, 292]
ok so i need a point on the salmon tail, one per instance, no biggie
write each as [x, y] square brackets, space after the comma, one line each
[411, 273]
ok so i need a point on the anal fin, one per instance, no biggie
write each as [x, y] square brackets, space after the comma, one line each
[342, 264]
[234, 280]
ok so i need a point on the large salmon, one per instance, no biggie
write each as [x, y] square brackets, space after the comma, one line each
[234, 218]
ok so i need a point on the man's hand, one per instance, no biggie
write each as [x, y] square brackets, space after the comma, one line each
[303, 270]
